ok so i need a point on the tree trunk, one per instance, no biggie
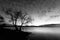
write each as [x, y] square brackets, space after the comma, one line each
[16, 25]
[21, 26]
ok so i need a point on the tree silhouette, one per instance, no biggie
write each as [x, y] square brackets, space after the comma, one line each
[10, 12]
[24, 17]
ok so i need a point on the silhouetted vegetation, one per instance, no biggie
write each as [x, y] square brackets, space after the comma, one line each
[24, 17]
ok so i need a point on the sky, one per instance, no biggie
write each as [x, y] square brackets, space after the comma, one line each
[43, 12]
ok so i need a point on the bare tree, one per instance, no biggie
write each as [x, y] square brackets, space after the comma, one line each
[24, 17]
[9, 11]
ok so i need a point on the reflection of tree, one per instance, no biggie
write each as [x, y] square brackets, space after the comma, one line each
[24, 17]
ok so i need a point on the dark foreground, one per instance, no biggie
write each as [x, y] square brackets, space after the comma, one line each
[6, 34]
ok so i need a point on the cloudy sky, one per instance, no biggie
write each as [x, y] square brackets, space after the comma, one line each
[42, 11]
